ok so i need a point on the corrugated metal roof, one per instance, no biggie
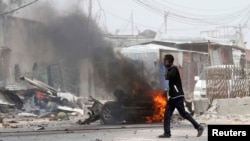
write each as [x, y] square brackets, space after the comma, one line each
[146, 48]
[17, 86]
[189, 39]
[151, 47]
[179, 39]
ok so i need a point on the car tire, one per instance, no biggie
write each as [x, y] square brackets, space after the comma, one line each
[111, 113]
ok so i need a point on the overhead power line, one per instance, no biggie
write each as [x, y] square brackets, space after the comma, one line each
[193, 19]
[16, 9]
[126, 20]
[211, 9]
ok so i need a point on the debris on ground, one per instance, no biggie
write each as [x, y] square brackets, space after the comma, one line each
[33, 100]
[94, 111]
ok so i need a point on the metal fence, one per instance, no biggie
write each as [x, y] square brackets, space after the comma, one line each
[227, 81]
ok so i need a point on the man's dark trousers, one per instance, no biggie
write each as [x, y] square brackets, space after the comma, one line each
[177, 103]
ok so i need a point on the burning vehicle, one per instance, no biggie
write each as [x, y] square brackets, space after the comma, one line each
[141, 106]
[134, 108]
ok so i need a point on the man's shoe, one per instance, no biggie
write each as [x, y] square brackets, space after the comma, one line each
[200, 131]
[165, 136]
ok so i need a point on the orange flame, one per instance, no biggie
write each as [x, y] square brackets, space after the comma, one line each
[159, 103]
[39, 95]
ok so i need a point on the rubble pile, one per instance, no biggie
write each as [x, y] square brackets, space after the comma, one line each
[38, 103]
[231, 110]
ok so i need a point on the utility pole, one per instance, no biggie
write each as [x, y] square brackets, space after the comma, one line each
[78, 6]
[241, 39]
[239, 35]
[165, 21]
[90, 60]
[90, 10]
[209, 52]
[132, 23]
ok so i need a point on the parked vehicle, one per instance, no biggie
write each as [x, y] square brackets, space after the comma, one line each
[222, 78]
[200, 87]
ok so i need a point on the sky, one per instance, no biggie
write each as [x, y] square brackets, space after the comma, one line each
[188, 17]
[118, 13]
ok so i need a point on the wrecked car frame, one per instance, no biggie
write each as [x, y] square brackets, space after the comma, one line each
[126, 108]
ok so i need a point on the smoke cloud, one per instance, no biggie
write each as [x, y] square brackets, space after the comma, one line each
[75, 37]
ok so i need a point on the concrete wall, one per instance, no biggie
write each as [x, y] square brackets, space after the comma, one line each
[232, 106]
[25, 45]
[223, 107]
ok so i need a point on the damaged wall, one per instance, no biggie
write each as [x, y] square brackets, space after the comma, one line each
[25, 49]
[65, 41]
[230, 106]
[74, 42]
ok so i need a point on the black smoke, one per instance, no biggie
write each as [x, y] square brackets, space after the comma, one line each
[76, 37]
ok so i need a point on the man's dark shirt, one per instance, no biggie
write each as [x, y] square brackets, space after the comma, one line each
[175, 85]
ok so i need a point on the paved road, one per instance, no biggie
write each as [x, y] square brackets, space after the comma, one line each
[137, 132]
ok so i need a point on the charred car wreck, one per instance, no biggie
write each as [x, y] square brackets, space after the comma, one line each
[129, 108]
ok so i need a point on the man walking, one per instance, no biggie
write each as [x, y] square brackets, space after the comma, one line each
[176, 98]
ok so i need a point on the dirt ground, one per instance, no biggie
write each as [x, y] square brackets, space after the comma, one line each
[29, 129]
[65, 128]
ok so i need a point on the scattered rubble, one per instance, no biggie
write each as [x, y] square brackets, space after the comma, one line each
[231, 110]
[94, 111]
[26, 115]
[34, 107]
[37, 102]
